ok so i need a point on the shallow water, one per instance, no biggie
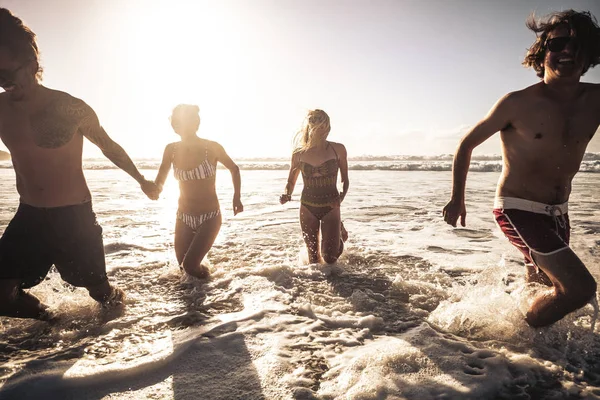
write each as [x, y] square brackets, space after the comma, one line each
[414, 309]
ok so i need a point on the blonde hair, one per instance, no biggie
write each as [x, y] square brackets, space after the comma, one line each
[315, 130]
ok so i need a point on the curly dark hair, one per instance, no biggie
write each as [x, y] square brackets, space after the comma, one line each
[19, 39]
[582, 23]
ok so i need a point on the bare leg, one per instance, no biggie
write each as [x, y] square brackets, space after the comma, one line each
[201, 243]
[183, 238]
[536, 276]
[310, 232]
[332, 245]
[14, 302]
[344, 232]
[573, 288]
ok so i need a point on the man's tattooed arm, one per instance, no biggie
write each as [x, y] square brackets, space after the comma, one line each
[91, 129]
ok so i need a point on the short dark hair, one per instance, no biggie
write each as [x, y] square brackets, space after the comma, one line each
[586, 29]
[183, 112]
[19, 39]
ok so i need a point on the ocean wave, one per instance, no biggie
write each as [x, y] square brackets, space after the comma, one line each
[477, 165]
[481, 163]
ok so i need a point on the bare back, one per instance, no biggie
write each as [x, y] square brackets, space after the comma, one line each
[46, 148]
[544, 142]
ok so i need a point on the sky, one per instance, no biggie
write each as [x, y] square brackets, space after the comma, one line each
[396, 77]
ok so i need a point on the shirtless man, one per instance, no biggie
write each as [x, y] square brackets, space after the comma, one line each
[44, 129]
[545, 129]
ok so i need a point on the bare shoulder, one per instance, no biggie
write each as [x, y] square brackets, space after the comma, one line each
[592, 97]
[592, 89]
[518, 96]
[507, 106]
[171, 147]
[169, 151]
[213, 146]
[339, 148]
[69, 106]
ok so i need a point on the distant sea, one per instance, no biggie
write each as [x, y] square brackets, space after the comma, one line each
[481, 163]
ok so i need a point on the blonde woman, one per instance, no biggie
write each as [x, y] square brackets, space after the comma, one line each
[319, 161]
[194, 162]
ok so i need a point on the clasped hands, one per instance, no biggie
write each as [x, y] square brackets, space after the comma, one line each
[151, 189]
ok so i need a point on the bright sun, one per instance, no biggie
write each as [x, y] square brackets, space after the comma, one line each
[179, 52]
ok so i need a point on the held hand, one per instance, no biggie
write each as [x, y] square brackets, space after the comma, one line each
[151, 189]
[284, 198]
[238, 207]
[453, 210]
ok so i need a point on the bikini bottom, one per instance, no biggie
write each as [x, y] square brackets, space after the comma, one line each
[195, 221]
[319, 212]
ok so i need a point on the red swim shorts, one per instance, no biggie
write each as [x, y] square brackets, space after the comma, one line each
[533, 227]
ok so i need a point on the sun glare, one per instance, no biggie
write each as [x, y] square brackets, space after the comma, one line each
[179, 52]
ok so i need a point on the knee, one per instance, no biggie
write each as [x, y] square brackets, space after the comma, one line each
[579, 295]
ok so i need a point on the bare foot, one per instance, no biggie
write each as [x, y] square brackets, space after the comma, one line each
[202, 272]
[116, 298]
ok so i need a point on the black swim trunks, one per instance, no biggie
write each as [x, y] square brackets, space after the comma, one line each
[68, 237]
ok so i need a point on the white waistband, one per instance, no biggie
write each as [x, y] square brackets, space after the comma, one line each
[514, 203]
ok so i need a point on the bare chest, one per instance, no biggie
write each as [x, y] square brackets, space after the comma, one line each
[547, 126]
[47, 128]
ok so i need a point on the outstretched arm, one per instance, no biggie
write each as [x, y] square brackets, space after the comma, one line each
[292, 177]
[165, 166]
[224, 159]
[89, 127]
[343, 163]
[497, 119]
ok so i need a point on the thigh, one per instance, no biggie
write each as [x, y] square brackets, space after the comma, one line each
[24, 255]
[310, 227]
[78, 252]
[183, 238]
[203, 239]
[566, 271]
[331, 232]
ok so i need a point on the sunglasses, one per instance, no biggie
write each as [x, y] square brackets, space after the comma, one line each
[9, 75]
[560, 43]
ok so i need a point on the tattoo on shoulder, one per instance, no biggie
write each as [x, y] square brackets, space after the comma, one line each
[56, 124]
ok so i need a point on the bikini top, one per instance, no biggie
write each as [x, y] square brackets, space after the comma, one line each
[326, 168]
[322, 175]
[205, 170]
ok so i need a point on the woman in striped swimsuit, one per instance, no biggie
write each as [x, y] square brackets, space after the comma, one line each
[319, 161]
[194, 162]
